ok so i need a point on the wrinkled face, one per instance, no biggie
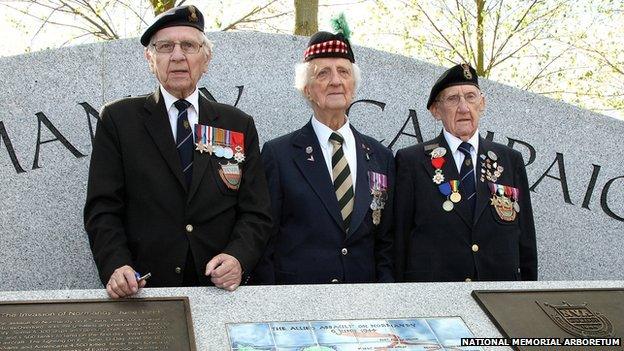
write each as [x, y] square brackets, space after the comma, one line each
[459, 108]
[178, 72]
[331, 84]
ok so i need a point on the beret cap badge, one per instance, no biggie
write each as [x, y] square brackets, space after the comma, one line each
[467, 73]
[193, 15]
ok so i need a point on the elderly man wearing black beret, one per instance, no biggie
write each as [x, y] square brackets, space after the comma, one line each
[176, 187]
[463, 209]
[330, 186]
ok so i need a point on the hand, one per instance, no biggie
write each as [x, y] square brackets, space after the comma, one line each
[123, 283]
[225, 271]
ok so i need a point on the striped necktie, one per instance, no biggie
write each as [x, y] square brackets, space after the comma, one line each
[343, 185]
[184, 140]
[466, 174]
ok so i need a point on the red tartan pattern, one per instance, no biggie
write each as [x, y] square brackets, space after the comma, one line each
[328, 46]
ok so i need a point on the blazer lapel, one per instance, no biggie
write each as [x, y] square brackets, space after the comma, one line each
[157, 124]
[483, 191]
[363, 195]
[207, 115]
[314, 170]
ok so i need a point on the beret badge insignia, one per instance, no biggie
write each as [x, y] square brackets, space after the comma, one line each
[467, 73]
[193, 14]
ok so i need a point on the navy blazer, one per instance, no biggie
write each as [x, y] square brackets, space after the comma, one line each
[308, 243]
[435, 245]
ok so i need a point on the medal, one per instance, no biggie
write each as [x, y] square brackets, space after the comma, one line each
[437, 162]
[455, 197]
[438, 177]
[447, 206]
[492, 155]
[378, 184]
[505, 201]
[227, 152]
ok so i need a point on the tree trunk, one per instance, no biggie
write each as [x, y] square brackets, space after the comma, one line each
[306, 17]
[480, 26]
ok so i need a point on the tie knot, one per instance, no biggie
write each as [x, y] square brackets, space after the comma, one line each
[465, 148]
[336, 138]
[181, 105]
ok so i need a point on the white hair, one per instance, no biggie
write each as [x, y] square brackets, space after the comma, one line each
[303, 76]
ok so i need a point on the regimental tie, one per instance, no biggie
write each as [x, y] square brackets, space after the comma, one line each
[343, 185]
[184, 140]
[466, 174]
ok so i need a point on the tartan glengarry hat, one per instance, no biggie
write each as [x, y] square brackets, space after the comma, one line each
[187, 15]
[326, 44]
[457, 75]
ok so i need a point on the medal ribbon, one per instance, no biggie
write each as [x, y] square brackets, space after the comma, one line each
[438, 162]
[377, 181]
[454, 185]
[227, 137]
[238, 139]
[445, 188]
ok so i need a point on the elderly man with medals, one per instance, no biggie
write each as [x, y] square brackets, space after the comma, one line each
[176, 185]
[463, 208]
[330, 186]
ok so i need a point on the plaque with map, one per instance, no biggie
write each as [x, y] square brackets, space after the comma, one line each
[154, 324]
[440, 333]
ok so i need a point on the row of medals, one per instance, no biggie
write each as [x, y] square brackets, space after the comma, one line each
[438, 178]
[222, 151]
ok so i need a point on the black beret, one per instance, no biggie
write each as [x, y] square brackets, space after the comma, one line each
[457, 75]
[326, 44]
[187, 15]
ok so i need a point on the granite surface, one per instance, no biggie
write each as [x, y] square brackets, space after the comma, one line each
[41, 230]
[212, 308]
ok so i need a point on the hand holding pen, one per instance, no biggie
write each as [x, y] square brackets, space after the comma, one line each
[124, 282]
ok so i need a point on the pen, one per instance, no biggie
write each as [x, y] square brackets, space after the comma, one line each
[139, 278]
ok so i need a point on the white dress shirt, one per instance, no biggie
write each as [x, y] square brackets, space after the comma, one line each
[172, 111]
[348, 146]
[454, 142]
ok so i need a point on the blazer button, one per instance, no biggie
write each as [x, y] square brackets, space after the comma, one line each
[335, 280]
[468, 279]
[475, 248]
[189, 228]
[178, 270]
[344, 251]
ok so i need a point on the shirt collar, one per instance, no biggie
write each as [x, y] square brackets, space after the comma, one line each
[170, 99]
[454, 142]
[323, 132]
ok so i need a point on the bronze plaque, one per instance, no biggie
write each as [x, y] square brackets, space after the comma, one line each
[574, 319]
[154, 324]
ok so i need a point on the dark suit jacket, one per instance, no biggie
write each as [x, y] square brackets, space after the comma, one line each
[138, 206]
[435, 245]
[308, 244]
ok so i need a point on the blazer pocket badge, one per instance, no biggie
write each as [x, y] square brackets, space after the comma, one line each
[505, 201]
[378, 184]
[222, 143]
[230, 174]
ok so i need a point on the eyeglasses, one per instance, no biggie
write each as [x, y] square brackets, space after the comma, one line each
[453, 100]
[167, 47]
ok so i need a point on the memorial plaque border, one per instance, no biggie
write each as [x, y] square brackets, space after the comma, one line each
[184, 299]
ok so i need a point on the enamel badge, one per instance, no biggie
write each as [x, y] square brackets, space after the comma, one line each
[230, 174]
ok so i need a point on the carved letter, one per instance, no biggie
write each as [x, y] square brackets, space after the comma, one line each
[41, 118]
[590, 187]
[511, 143]
[562, 178]
[90, 112]
[418, 135]
[7, 143]
[603, 199]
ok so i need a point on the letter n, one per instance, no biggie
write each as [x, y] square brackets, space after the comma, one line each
[41, 118]
[9, 146]
[91, 112]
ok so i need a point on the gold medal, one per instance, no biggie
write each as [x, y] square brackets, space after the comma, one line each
[455, 197]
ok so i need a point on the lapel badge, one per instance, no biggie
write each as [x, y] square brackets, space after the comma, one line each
[309, 150]
[378, 184]
[490, 169]
[230, 175]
